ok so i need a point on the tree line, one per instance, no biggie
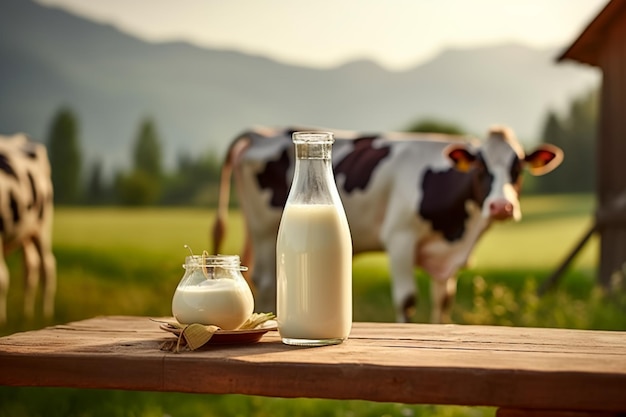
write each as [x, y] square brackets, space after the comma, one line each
[193, 182]
[195, 179]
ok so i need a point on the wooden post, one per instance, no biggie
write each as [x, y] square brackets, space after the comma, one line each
[612, 150]
[603, 44]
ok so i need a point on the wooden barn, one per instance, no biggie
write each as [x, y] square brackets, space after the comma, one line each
[602, 44]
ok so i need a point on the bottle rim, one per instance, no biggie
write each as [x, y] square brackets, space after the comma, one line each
[313, 137]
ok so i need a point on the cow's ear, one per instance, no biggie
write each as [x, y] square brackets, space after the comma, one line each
[544, 159]
[462, 159]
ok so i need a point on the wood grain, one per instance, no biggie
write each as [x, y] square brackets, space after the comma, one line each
[511, 368]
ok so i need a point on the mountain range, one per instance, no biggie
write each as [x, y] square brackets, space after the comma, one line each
[200, 98]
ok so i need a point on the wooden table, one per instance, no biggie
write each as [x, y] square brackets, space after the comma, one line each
[523, 371]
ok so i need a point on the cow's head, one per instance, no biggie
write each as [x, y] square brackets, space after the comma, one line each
[496, 168]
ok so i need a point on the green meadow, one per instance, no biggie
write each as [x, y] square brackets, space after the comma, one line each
[129, 261]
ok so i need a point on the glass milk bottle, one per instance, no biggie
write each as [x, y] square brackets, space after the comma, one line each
[314, 251]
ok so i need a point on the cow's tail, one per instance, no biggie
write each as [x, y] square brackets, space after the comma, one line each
[233, 154]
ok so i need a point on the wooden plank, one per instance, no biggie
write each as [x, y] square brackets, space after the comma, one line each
[523, 368]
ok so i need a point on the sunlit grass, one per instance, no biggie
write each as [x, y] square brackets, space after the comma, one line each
[150, 232]
[539, 243]
[549, 229]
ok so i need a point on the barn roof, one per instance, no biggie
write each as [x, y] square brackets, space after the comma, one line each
[587, 47]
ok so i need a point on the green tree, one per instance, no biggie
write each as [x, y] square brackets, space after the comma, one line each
[143, 185]
[575, 133]
[65, 157]
[583, 125]
[96, 189]
[195, 181]
[137, 189]
[434, 125]
[147, 152]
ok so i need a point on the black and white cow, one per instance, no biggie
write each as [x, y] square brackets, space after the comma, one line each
[26, 210]
[425, 199]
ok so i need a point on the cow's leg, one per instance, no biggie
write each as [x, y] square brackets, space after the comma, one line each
[404, 290]
[4, 287]
[443, 292]
[49, 276]
[32, 266]
[247, 260]
[264, 276]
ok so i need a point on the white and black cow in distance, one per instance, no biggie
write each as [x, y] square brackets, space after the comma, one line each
[425, 199]
[26, 211]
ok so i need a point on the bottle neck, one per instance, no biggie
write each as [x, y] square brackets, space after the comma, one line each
[313, 181]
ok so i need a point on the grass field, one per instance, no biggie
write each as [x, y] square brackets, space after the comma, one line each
[129, 261]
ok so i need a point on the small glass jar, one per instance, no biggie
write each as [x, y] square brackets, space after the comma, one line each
[213, 292]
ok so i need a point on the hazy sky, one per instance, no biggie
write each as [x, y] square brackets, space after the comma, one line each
[396, 33]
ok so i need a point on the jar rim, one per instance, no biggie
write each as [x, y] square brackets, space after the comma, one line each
[219, 261]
